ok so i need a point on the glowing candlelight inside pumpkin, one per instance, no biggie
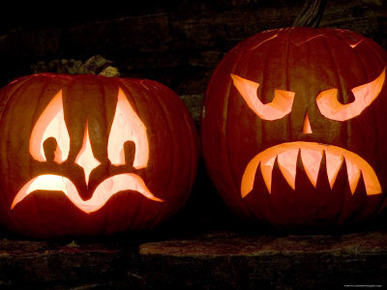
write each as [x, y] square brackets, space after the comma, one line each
[126, 126]
[311, 155]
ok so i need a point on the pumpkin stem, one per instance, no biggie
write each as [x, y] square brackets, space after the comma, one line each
[97, 64]
[311, 14]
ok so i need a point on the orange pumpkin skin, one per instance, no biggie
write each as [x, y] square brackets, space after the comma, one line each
[125, 157]
[282, 95]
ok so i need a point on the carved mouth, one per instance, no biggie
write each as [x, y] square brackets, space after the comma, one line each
[104, 191]
[310, 154]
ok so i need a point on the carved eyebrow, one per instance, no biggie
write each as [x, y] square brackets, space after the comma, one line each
[331, 108]
[279, 107]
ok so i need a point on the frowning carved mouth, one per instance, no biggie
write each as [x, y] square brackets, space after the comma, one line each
[104, 191]
[311, 154]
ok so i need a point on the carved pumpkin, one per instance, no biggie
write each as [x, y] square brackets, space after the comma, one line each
[87, 155]
[294, 128]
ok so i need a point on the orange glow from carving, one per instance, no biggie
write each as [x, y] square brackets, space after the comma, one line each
[311, 155]
[104, 191]
[86, 158]
[51, 123]
[127, 126]
[307, 128]
[278, 108]
[365, 94]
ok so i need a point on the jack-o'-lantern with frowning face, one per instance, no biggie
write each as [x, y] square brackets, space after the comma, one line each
[88, 155]
[294, 128]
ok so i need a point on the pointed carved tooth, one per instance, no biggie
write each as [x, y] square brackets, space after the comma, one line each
[354, 173]
[311, 158]
[287, 162]
[333, 164]
[267, 170]
[248, 177]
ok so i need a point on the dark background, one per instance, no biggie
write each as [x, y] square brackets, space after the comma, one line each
[175, 42]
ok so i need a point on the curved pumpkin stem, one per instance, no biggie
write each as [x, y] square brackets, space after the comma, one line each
[97, 64]
[311, 14]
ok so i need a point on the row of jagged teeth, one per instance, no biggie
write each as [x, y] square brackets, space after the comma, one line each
[311, 161]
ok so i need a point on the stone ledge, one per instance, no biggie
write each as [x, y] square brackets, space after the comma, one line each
[239, 261]
[236, 244]
[216, 259]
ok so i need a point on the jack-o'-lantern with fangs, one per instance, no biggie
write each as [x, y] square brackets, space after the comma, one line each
[294, 128]
[88, 155]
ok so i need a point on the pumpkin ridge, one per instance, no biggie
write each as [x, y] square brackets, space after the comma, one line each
[307, 61]
[345, 127]
[5, 105]
[174, 169]
[170, 126]
[130, 91]
[46, 214]
[224, 147]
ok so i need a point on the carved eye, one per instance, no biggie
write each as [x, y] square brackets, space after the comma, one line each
[276, 109]
[365, 94]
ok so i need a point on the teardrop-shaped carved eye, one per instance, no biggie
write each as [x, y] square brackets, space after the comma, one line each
[127, 126]
[51, 124]
[279, 107]
[364, 95]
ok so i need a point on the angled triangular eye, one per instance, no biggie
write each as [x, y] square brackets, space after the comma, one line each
[276, 109]
[364, 95]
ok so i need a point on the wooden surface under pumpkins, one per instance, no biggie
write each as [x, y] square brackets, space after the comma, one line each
[215, 259]
[203, 247]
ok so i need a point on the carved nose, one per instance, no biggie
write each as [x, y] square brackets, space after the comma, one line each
[306, 127]
[86, 158]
